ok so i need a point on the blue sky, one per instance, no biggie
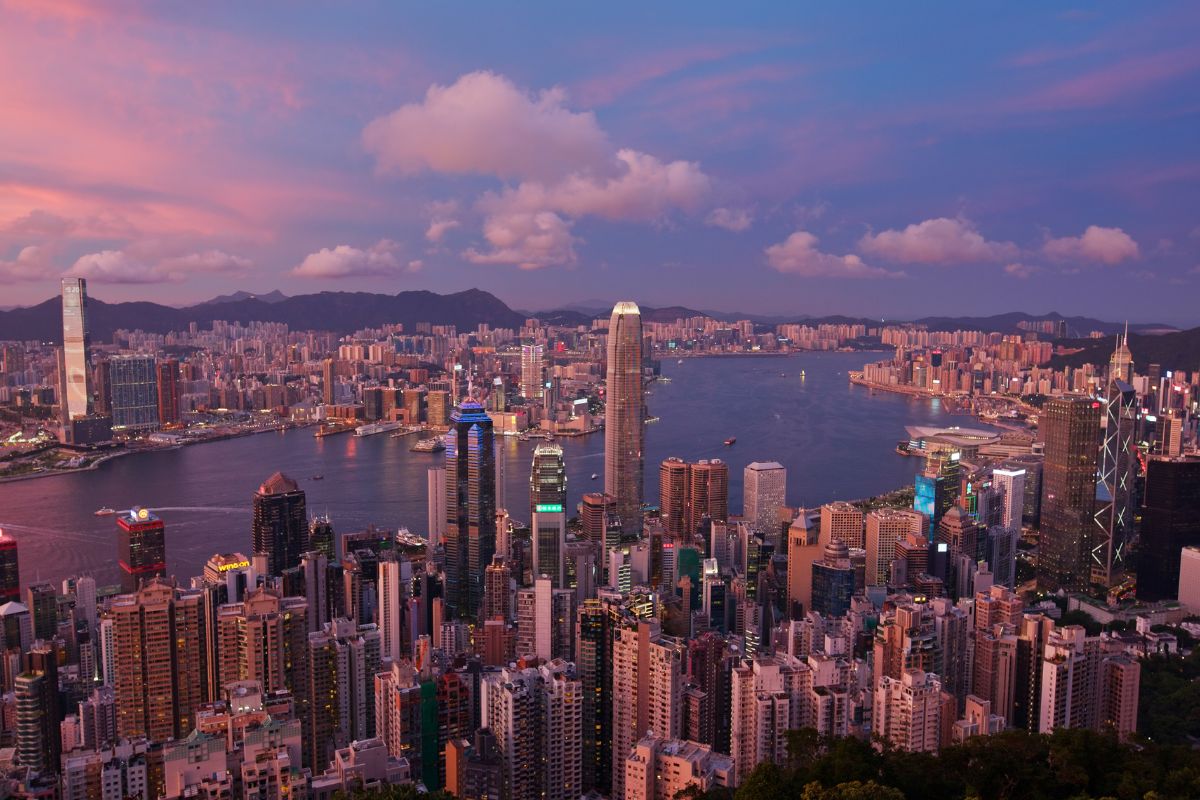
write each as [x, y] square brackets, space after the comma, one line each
[879, 159]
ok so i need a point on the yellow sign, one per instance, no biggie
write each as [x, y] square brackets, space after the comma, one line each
[233, 565]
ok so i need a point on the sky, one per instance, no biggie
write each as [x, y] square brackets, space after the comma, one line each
[882, 159]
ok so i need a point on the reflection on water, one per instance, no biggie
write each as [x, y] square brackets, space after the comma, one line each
[837, 442]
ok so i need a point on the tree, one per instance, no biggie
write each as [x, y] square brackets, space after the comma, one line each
[854, 790]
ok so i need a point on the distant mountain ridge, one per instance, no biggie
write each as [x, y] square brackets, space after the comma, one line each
[273, 296]
[1172, 351]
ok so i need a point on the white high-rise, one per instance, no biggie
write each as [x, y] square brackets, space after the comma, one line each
[437, 505]
[393, 577]
[624, 416]
[764, 492]
[1012, 481]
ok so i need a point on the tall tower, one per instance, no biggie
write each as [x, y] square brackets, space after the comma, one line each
[133, 384]
[141, 548]
[470, 535]
[280, 523]
[1071, 427]
[673, 495]
[764, 491]
[1118, 458]
[168, 391]
[708, 492]
[10, 573]
[532, 386]
[74, 373]
[548, 509]
[624, 416]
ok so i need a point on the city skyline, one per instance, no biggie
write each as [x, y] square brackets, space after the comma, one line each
[764, 160]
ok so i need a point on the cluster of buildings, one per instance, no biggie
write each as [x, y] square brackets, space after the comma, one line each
[608, 649]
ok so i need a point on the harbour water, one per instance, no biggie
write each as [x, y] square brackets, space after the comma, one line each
[836, 440]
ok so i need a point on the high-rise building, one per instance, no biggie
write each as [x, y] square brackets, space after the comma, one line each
[544, 621]
[532, 365]
[320, 537]
[329, 381]
[908, 711]
[672, 496]
[10, 573]
[473, 767]
[1118, 468]
[141, 548]
[764, 493]
[280, 523]
[75, 371]
[624, 416]
[805, 546]
[161, 660]
[647, 690]
[593, 664]
[548, 512]
[342, 662]
[42, 602]
[133, 384]
[168, 391]
[1071, 427]
[884, 528]
[1170, 435]
[436, 484]
[536, 715]
[264, 638]
[391, 588]
[38, 710]
[663, 769]
[688, 493]
[832, 581]
[1085, 687]
[843, 521]
[470, 539]
[1012, 481]
[1170, 522]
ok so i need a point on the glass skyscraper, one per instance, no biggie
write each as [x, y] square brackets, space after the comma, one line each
[470, 538]
[74, 371]
[133, 382]
[624, 416]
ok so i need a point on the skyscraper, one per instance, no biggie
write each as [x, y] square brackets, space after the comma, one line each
[133, 383]
[1071, 427]
[141, 548]
[168, 391]
[75, 385]
[764, 492]
[470, 539]
[672, 495]
[1118, 467]
[436, 488]
[38, 710]
[624, 416]
[532, 357]
[10, 573]
[886, 527]
[264, 638]
[548, 512]
[280, 523]
[328, 381]
[647, 690]
[689, 492]
[1170, 522]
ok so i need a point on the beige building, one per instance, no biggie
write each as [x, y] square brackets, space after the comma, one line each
[658, 769]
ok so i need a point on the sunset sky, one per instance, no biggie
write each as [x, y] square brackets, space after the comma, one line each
[885, 159]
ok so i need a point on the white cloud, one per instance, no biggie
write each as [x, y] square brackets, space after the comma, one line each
[1018, 270]
[31, 264]
[936, 241]
[798, 255]
[115, 266]
[1103, 245]
[438, 228]
[343, 261]
[731, 219]
[208, 261]
[530, 240]
[484, 124]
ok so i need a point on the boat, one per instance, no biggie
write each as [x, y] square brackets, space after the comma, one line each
[594, 476]
[104, 512]
[802, 375]
[680, 361]
[377, 427]
[428, 446]
[730, 441]
[318, 477]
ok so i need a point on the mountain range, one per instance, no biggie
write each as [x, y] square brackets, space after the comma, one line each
[345, 312]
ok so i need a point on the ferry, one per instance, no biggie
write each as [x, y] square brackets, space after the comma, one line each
[428, 446]
[680, 361]
[377, 427]
[318, 477]
[802, 374]
[730, 441]
[104, 512]
[594, 476]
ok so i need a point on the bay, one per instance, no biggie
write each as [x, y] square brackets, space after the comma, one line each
[836, 440]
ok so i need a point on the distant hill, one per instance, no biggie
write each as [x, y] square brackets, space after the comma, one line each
[1172, 351]
[342, 312]
[273, 296]
[1007, 323]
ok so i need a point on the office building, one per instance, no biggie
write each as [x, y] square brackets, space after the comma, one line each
[167, 375]
[1012, 482]
[805, 546]
[593, 665]
[548, 512]
[329, 381]
[436, 486]
[141, 548]
[672, 496]
[884, 528]
[10, 573]
[38, 710]
[75, 397]
[532, 371]
[470, 538]
[764, 493]
[1071, 427]
[280, 526]
[1170, 435]
[624, 416]
[133, 385]
[1189, 579]
[1170, 523]
[392, 588]
[42, 602]
[843, 521]
[160, 660]
[320, 537]
[833, 581]
[689, 493]
[1118, 469]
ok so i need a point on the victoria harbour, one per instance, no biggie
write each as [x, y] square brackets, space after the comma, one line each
[836, 440]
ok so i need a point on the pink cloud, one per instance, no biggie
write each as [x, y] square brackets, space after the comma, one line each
[731, 219]
[530, 240]
[1021, 271]
[1103, 245]
[31, 264]
[631, 73]
[936, 241]
[1110, 83]
[798, 255]
[146, 262]
[380, 260]
[484, 124]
